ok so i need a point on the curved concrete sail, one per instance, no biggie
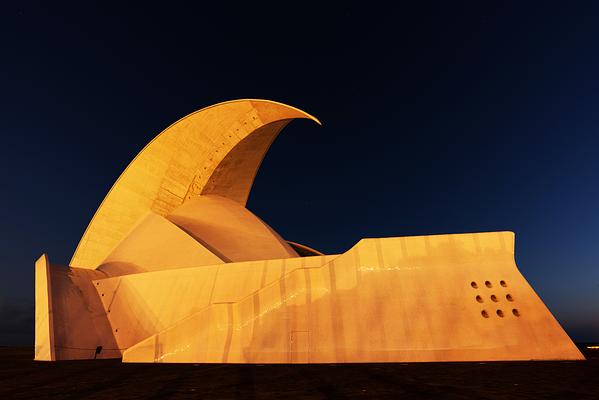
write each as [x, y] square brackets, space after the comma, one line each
[216, 150]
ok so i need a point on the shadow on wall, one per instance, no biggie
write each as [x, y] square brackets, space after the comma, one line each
[17, 319]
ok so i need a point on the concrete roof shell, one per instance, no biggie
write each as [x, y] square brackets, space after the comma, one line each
[216, 150]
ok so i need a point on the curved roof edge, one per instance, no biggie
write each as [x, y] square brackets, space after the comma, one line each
[180, 162]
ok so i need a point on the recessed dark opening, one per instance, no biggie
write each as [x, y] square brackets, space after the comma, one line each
[98, 351]
[516, 312]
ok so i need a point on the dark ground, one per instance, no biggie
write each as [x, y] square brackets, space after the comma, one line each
[20, 377]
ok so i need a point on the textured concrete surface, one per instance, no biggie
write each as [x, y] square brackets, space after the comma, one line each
[161, 274]
[22, 378]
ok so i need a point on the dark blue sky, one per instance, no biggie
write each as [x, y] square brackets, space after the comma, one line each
[441, 119]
